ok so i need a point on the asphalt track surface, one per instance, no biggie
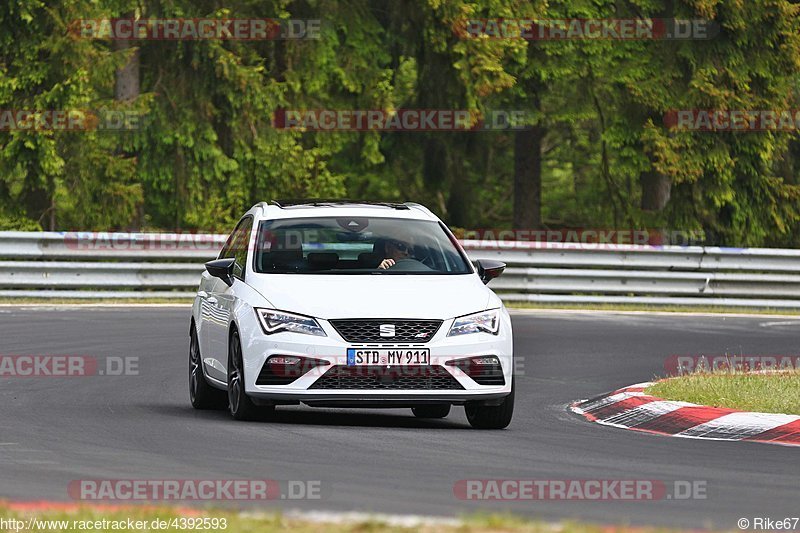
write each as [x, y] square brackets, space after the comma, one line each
[54, 430]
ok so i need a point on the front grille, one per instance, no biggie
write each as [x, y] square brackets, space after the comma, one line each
[382, 378]
[356, 330]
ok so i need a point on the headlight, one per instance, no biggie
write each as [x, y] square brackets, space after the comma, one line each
[485, 321]
[275, 321]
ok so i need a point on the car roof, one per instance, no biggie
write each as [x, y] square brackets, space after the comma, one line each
[331, 202]
[279, 209]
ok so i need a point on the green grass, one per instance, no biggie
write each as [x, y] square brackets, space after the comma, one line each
[276, 522]
[776, 392]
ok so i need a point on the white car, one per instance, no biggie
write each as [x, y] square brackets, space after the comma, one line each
[350, 304]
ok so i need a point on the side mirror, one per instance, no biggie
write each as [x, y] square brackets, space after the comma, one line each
[222, 269]
[488, 269]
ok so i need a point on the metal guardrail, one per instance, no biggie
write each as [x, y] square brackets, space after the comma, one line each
[141, 265]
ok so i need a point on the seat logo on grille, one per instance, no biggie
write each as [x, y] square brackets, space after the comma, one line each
[387, 330]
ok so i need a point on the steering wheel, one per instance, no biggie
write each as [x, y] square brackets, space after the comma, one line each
[428, 262]
[409, 265]
[425, 258]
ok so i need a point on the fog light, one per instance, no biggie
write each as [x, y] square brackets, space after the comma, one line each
[284, 369]
[283, 360]
[483, 369]
[485, 360]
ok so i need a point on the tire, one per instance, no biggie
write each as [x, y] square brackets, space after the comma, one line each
[491, 416]
[240, 405]
[431, 411]
[201, 394]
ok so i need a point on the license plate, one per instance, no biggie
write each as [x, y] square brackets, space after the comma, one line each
[388, 356]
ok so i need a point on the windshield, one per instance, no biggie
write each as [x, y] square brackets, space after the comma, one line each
[356, 245]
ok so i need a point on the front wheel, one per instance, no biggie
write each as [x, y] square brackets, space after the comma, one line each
[240, 405]
[201, 394]
[491, 416]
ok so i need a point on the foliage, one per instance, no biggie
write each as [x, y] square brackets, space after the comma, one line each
[206, 147]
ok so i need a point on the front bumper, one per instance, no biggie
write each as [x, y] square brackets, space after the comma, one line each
[374, 400]
[258, 347]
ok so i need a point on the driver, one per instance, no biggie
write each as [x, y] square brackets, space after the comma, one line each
[395, 250]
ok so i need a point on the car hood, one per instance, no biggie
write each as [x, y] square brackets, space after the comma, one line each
[374, 296]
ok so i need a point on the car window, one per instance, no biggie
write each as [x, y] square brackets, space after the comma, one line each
[356, 245]
[241, 246]
[227, 249]
[237, 245]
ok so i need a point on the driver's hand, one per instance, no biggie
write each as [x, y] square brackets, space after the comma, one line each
[386, 263]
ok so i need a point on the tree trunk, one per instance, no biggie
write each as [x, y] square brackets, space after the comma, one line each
[37, 199]
[126, 89]
[528, 151]
[528, 175]
[126, 83]
[461, 199]
[656, 189]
